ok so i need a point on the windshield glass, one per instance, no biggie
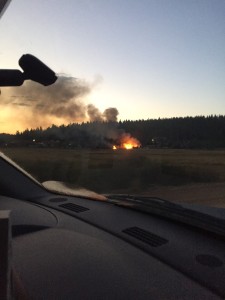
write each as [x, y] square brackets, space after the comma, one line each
[138, 106]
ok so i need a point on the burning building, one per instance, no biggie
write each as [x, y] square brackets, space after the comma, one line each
[126, 142]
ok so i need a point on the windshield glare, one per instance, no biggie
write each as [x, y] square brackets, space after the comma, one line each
[138, 106]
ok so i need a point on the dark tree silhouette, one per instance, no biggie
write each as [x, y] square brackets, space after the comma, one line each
[188, 132]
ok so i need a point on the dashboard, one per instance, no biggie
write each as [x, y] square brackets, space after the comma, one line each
[70, 247]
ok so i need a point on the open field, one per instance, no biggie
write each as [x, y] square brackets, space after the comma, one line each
[191, 175]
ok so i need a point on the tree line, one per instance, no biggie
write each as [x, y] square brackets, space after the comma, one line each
[200, 132]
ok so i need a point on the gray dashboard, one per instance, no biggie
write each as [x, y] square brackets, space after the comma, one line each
[67, 247]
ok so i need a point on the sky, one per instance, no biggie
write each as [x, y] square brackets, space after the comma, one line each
[147, 58]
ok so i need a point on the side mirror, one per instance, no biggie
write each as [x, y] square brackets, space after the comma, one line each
[33, 69]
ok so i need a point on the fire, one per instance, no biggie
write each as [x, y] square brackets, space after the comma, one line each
[127, 146]
[127, 142]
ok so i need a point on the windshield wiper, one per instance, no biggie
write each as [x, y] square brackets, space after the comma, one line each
[171, 211]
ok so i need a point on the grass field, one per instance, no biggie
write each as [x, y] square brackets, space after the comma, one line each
[137, 171]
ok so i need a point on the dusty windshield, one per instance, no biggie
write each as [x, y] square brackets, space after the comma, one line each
[139, 104]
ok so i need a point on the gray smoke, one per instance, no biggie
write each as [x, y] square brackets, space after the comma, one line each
[110, 114]
[94, 113]
[64, 99]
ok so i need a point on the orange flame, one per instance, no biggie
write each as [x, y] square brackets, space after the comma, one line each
[128, 146]
[127, 142]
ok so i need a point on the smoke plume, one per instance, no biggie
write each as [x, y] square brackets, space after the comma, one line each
[109, 115]
[64, 100]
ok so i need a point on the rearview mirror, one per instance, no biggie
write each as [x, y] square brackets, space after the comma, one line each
[33, 69]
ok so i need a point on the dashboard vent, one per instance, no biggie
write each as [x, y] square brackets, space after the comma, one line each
[74, 207]
[145, 236]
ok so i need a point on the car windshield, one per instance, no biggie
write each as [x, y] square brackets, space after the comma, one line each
[139, 103]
